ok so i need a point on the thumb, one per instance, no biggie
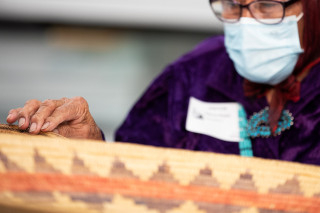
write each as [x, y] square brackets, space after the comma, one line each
[66, 131]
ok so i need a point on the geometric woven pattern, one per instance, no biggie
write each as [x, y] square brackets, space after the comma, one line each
[55, 174]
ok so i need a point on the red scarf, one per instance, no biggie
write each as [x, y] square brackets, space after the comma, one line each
[288, 90]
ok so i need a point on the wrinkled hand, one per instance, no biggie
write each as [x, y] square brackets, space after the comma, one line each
[68, 117]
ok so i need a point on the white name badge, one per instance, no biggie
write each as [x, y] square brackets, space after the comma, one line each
[218, 120]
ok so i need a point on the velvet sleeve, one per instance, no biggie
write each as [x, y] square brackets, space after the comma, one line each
[148, 121]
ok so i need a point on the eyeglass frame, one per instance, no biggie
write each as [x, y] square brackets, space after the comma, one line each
[284, 4]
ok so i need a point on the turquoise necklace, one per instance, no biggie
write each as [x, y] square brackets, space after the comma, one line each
[257, 126]
[258, 123]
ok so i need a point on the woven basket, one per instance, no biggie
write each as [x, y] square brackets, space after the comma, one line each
[49, 173]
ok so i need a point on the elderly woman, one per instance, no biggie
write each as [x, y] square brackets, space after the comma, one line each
[264, 75]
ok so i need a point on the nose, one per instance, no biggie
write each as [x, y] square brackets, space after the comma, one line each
[246, 12]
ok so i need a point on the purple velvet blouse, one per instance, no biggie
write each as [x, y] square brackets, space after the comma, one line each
[208, 74]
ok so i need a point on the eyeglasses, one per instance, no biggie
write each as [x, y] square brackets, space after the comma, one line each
[264, 11]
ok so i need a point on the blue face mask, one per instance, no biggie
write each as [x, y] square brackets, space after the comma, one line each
[263, 53]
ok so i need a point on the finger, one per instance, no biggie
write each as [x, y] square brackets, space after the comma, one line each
[26, 112]
[64, 130]
[60, 115]
[13, 115]
[76, 131]
[46, 108]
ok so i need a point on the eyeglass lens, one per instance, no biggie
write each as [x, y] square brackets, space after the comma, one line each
[268, 12]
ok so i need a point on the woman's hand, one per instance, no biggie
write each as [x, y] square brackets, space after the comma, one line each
[68, 117]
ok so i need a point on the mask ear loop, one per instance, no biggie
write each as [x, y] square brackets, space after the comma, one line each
[300, 16]
[298, 19]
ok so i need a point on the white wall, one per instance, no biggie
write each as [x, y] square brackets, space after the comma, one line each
[181, 14]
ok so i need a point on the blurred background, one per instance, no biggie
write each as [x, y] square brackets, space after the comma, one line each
[107, 51]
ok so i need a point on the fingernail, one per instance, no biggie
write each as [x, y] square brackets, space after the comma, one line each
[46, 125]
[56, 131]
[21, 121]
[9, 116]
[33, 127]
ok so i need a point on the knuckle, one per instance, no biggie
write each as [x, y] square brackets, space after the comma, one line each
[80, 100]
[48, 103]
[32, 102]
[37, 117]
[12, 111]
[64, 99]
[22, 113]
